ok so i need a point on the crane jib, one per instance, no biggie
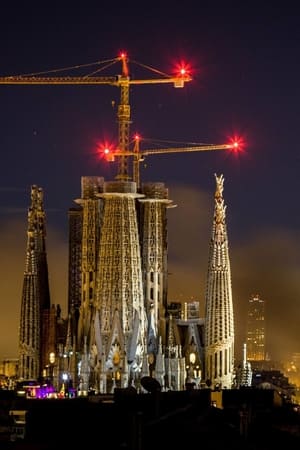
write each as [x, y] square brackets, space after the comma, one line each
[60, 80]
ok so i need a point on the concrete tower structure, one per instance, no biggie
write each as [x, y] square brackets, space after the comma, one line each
[35, 295]
[118, 257]
[154, 252]
[84, 233]
[90, 235]
[219, 319]
[74, 264]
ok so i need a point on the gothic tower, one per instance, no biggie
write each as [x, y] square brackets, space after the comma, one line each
[219, 319]
[119, 316]
[35, 295]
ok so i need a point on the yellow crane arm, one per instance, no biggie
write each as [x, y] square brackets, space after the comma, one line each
[114, 81]
[199, 148]
[68, 80]
[138, 154]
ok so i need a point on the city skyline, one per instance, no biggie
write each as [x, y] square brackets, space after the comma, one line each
[49, 136]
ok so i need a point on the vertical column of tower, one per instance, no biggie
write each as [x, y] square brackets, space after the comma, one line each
[74, 279]
[153, 227]
[42, 268]
[35, 294]
[119, 291]
[40, 242]
[219, 319]
[74, 285]
[90, 188]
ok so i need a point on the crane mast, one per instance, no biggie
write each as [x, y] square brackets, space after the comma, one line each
[124, 122]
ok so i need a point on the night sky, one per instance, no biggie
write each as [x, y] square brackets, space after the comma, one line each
[245, 63]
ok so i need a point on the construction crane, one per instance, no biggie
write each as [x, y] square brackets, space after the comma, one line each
[124, 82]
[138, 155]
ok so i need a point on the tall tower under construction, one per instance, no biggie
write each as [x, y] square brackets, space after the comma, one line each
[219, 320]
[117, 278]
[35, 294]
[119, 300]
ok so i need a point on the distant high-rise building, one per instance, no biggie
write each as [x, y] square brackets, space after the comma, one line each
[256, 329]
[35, 295]
[219, 318]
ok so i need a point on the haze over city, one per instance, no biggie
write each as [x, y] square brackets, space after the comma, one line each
[245, 68]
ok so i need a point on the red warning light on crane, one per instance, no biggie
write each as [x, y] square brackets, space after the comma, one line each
[123, 58]
[108, 154]
[183, 69]
[105, 151]
[236, 144]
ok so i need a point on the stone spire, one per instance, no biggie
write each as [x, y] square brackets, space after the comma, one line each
[35, 294]
[219, 319]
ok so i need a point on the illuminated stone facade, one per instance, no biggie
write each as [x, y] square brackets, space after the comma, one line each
[219, 319]
[119, 315]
